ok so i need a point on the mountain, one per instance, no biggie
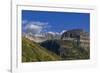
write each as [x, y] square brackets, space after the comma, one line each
[80, 36]
[62, 31]
[66, 49]
[68, 45]
[33, 52]
[64, 34]
[42, 37]
[74, 33]
[52, 35]
[36, 38]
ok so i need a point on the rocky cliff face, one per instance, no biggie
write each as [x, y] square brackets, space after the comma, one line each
[75, 33]
[79, 36]
[66, 49]
[35, 38]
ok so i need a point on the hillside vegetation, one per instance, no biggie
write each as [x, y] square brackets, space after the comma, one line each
[52, 50]
[32, 52]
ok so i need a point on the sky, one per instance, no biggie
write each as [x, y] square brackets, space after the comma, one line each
[44, 21]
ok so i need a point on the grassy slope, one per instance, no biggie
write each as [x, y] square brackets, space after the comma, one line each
[32, 51]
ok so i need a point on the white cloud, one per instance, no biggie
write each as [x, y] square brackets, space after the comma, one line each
[24, 22]
[39, 23]
[35, 27]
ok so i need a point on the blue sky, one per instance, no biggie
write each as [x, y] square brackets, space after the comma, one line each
[44, 21]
